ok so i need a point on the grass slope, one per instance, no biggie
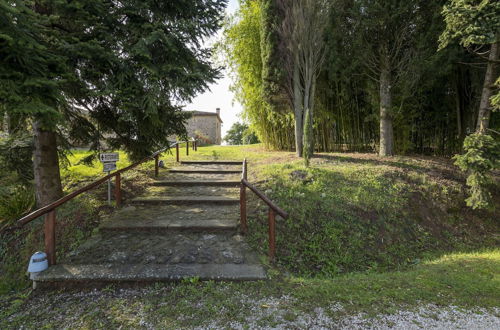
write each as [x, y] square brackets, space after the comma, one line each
[371, 234]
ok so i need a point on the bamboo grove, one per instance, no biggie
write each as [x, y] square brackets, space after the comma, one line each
[436, 91]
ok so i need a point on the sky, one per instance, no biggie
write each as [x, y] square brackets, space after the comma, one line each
[219, 95]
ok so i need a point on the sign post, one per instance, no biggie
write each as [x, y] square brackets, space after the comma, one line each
[109, 164]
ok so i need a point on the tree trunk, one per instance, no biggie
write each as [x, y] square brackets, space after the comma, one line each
[46, 166]
[484, 114]
[386, 130]
[311, 116]
[298, 110]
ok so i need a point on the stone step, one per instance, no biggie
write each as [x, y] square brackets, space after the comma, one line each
[200, 191]
[226, 183]
[211, 162]
[207, 171]
[165, 225]
[185, 200]
[173, 213]
[145, 256]
[109, 273]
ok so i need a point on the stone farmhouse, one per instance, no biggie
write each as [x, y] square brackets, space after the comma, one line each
[205, 126]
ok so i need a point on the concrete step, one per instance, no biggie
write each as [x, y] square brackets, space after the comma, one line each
[173, 213]
[207, 171]
[65, 274]
[225, 183]
[211, 162]
[138, 256]
[165, 225]
[185, 200]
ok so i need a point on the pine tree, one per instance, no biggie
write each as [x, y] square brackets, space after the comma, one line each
[95, 71]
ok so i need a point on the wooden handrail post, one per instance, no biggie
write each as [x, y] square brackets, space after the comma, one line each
[118, 189]
[187, 148]
[243, 209]
[157, 168]
[195, 145]
[177, 152]
[272, 234]
[245, 169]
[50, 236]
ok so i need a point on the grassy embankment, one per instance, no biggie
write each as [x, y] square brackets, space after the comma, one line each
[76, 220]
[369, 233]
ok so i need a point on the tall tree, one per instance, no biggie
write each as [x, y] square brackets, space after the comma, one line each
[387, 30]
[250, 52]
[476, 23]
[302, 45]
[101, 70]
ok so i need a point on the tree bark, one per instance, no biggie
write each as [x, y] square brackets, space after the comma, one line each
[386, 129]
[484, 114]
[299, 111]
[311, 116]
[46, 166]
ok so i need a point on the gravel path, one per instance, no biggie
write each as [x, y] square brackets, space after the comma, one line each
[425, 317]
[141, 308]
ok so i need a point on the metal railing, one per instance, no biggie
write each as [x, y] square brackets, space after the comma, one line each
[50, 210]
[273, 210]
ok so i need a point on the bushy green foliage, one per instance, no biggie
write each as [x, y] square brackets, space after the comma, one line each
[495, 100]
[15, 155]
[434, 96]
[471, 22]
[15, 202]
[249, 137]
[234, 135]
[100, 70]
[482, 155]
[247, 53]
[239, 134]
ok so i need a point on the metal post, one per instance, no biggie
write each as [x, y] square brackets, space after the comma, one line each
[109, 189]
[243, 209]
[50, 236]
[272, 234]
[187, 148]
[177, 152]
[157, 168]
[118, 189]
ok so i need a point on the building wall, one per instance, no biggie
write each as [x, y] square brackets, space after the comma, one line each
[208, 126]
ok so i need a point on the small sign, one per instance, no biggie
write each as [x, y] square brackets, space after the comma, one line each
[109, 166]
[109, 157]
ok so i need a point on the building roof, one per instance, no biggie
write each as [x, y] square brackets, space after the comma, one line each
[205, 113]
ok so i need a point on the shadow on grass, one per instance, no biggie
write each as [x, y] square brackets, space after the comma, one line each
[368, 161]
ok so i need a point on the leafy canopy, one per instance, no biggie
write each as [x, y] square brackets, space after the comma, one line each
[239, 134]
[471, 22]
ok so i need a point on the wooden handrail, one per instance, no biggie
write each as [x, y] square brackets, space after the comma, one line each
[266, 199]
[273, 210]
[47, 208]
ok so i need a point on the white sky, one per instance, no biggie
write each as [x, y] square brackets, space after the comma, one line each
[219, 95]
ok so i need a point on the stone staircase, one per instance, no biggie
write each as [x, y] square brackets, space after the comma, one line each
[186, 225]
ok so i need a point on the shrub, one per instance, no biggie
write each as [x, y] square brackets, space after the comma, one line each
[15, 202]
[482, 155]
